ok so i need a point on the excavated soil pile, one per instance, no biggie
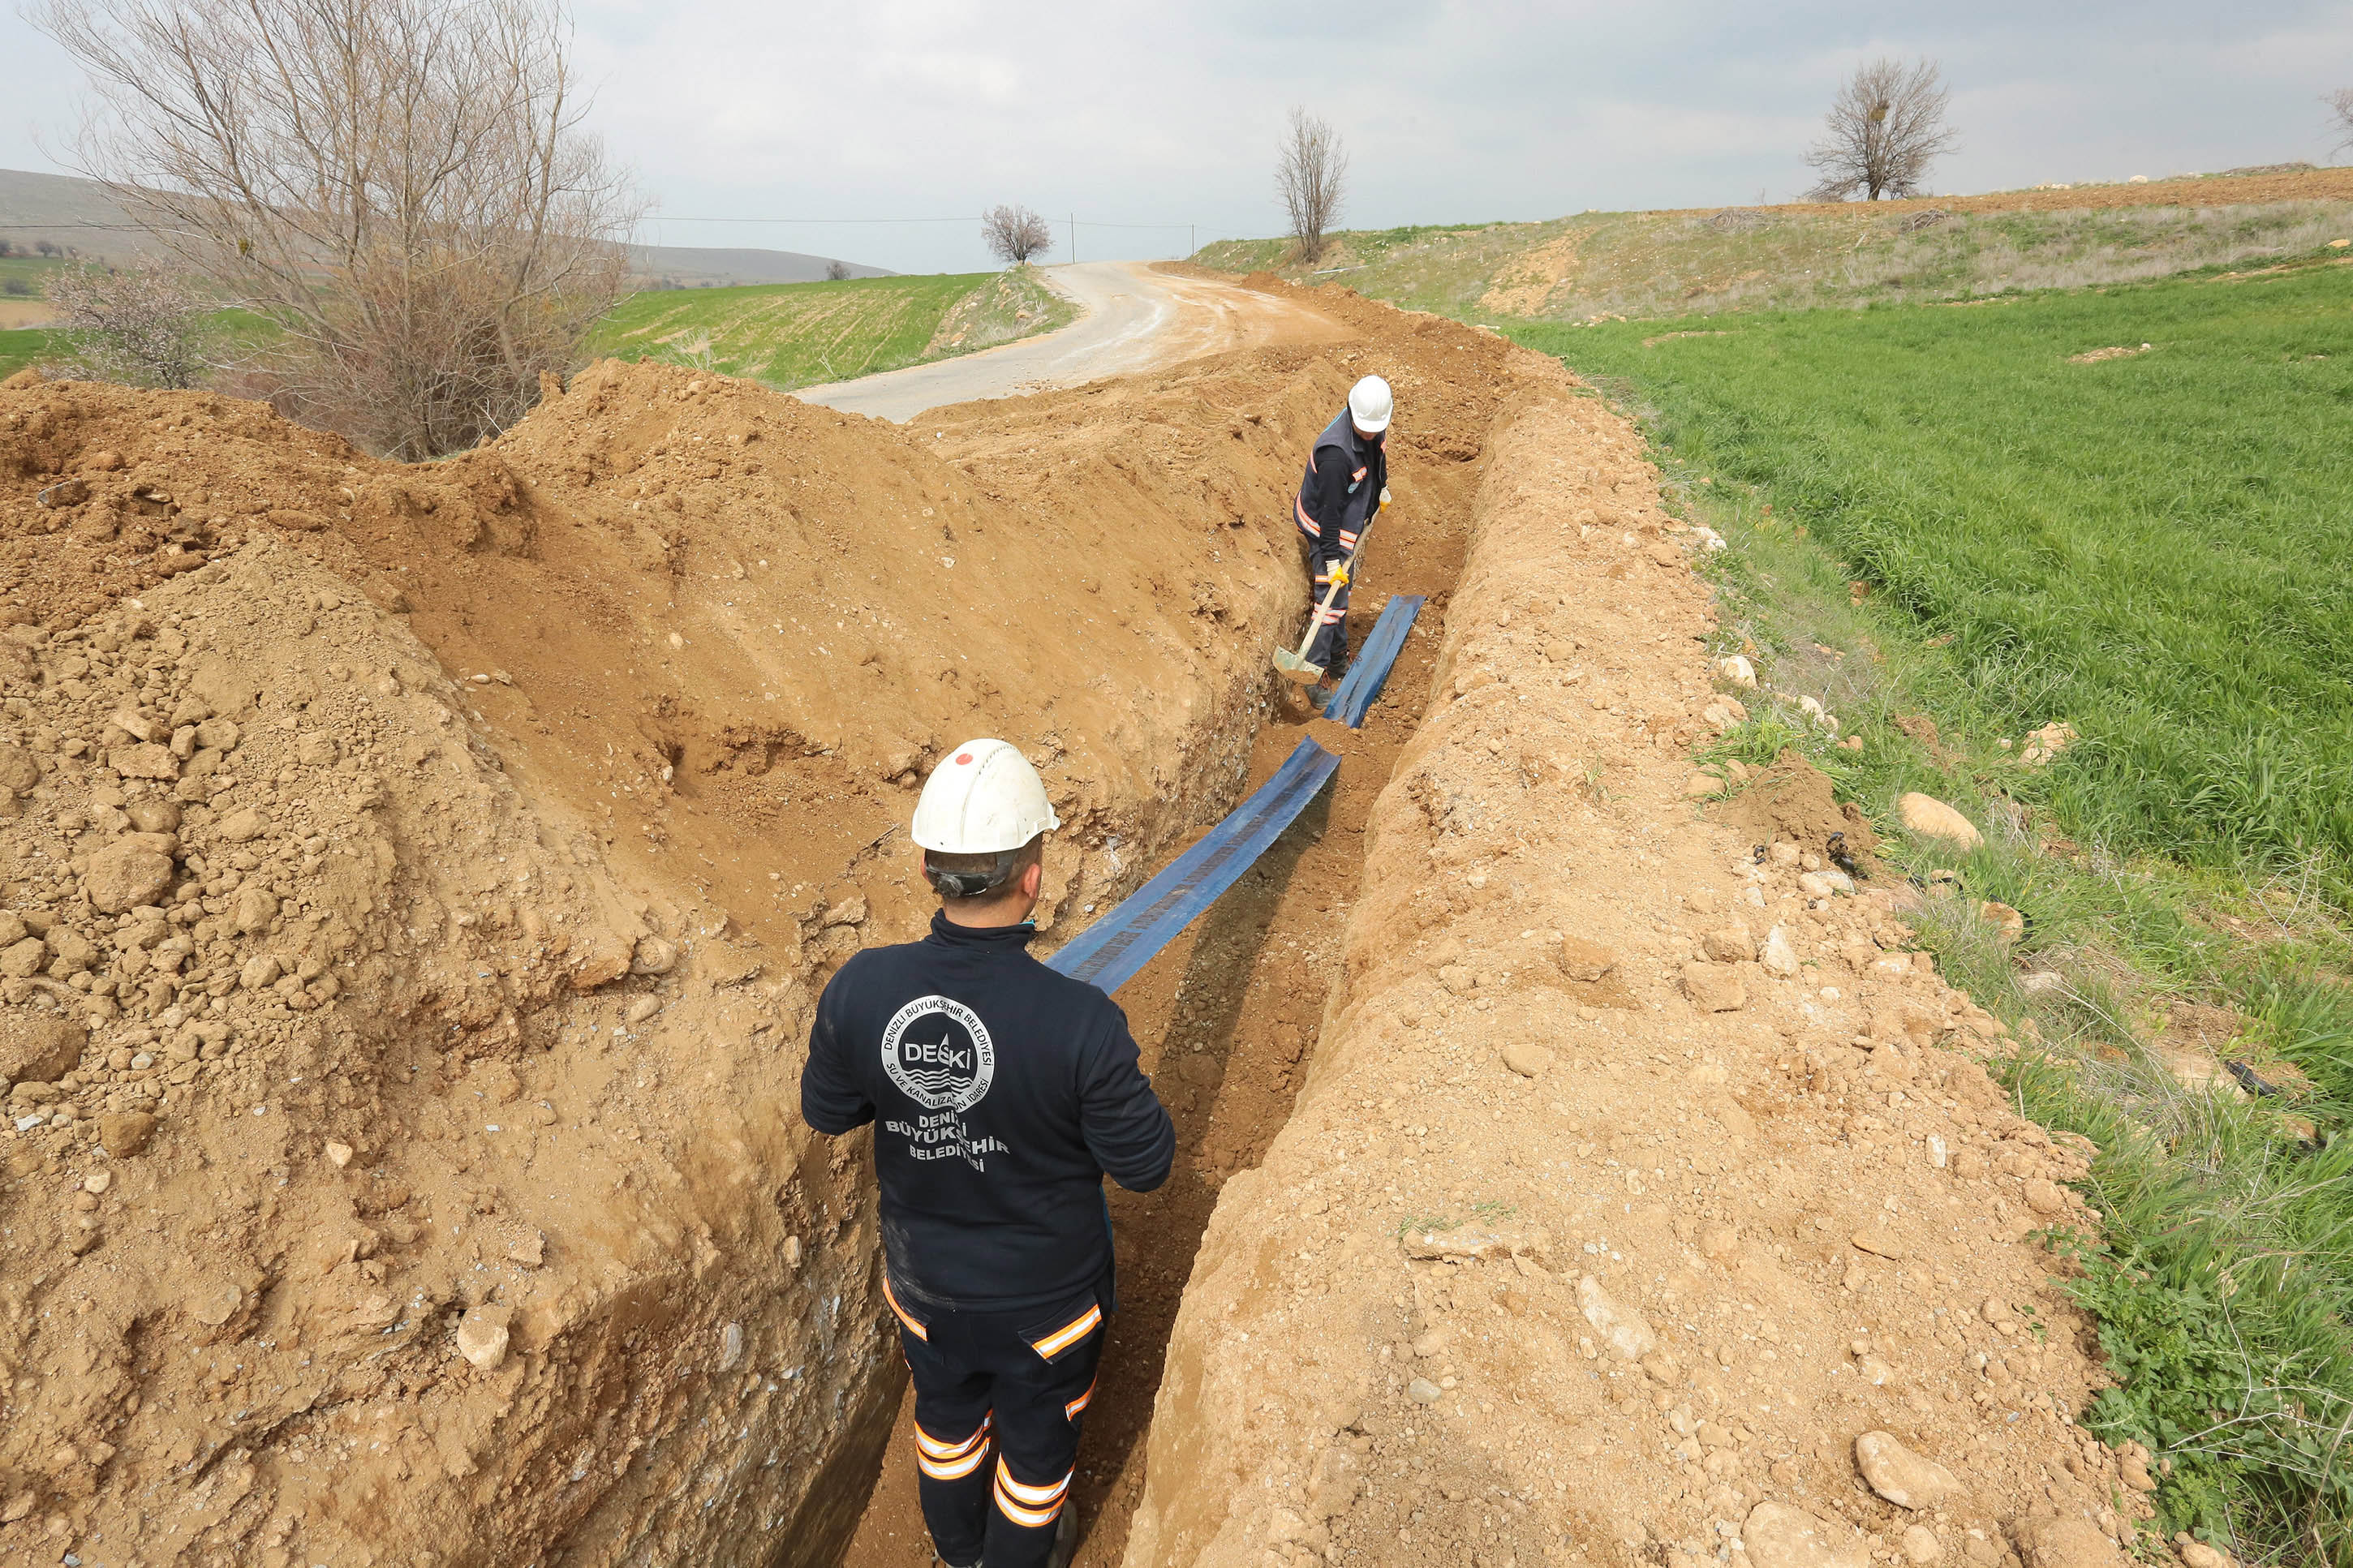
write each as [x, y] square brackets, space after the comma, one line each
[416, 883]
[1226, 1014]
[1645, 1202]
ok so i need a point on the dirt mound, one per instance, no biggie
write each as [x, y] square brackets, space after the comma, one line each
[437, 863]
[1793, 803]
[1741, 1272]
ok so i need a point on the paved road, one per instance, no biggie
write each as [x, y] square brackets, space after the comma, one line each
[1133, 319]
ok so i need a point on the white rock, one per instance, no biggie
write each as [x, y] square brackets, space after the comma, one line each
[1779, 958]
[482, 1337]
[731, 1346]
[1903, 1478]
[1621, 1328]
[1737, 670]
[1921, 1545]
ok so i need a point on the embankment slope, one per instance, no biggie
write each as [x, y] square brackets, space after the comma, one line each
[418, 880]
[1635, 1179]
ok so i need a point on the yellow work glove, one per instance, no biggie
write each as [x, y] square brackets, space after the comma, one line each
[1339, 576]
[1385, 495]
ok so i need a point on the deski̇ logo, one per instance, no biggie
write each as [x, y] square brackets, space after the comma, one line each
[938, 1052]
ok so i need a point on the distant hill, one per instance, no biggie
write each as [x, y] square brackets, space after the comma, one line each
[703, 267]
[77, 215]
[80, 217]
[1798, 256]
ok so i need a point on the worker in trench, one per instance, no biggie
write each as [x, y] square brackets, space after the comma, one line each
[1002, 1093]
[1345, 485]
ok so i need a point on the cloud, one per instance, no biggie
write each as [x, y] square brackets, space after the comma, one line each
[1452, 112]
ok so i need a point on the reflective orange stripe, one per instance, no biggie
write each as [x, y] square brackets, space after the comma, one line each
[1071, 1411]
[1305, 521]
[945, 1461]
[939, 1448]
[899, 1313]
[1071, 1333]
[1033, 1506]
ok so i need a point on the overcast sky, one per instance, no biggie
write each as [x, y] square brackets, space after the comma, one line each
[1451, 113]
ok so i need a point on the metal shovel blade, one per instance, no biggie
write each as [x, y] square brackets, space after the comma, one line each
[1296, 669]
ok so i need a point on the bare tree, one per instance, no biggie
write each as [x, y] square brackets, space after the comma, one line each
[1311, 177]
[1885, 127]
[145, 325]
[404, 187]
[835, 271]
[1015, 234]
[2340, 115]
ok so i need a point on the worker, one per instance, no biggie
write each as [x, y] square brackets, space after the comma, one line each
[1345, 483]
[1001, 1093]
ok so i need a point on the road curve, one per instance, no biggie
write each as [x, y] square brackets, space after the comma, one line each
[1133, 319]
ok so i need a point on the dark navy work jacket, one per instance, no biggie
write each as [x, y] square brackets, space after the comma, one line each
[1002, 1093]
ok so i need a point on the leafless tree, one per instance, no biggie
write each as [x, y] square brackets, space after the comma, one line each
[1311, 177]
[145, 325]
[1885, 127]
[2340, 116]
[405, 187]
[835, 271]
[1015, 234]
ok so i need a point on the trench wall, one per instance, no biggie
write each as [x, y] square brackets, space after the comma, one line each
[1714, 1185]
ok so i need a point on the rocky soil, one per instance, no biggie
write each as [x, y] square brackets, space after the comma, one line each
[418, 879]
[415, 881]
[1646, 1201]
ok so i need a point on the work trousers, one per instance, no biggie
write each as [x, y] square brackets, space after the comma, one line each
[1330, 647]
[998, 1400]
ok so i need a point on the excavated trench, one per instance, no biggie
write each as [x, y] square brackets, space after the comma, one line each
[1227, 1017]
[575, 761]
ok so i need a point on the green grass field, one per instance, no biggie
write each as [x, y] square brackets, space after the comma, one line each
[1659, 264]
[30, 346]
[2153, 548]
[800, 334]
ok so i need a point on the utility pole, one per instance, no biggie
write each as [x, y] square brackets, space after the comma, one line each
[1192, 239]
[1074, 236]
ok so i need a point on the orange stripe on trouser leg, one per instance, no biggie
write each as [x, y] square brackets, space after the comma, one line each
[1026, 1505]
[940, 1448]
[1071, 1411]
[952, 1469]
[1069, 1335]
[899, 1313]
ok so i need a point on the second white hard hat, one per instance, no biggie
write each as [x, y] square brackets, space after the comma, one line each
[983, 799]
[1369, 405]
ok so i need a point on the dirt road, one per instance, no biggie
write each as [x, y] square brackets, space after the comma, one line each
[1136, 319]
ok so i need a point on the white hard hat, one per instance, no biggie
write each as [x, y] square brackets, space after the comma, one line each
[1369, 403]
[983, 799]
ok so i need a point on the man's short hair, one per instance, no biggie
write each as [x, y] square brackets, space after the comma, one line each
[958, 878]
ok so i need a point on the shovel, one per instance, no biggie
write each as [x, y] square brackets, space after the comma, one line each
[1295, 665]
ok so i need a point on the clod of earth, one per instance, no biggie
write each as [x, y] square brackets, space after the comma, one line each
[1777, 1535]
[1932, 818]
[1903, 1478]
